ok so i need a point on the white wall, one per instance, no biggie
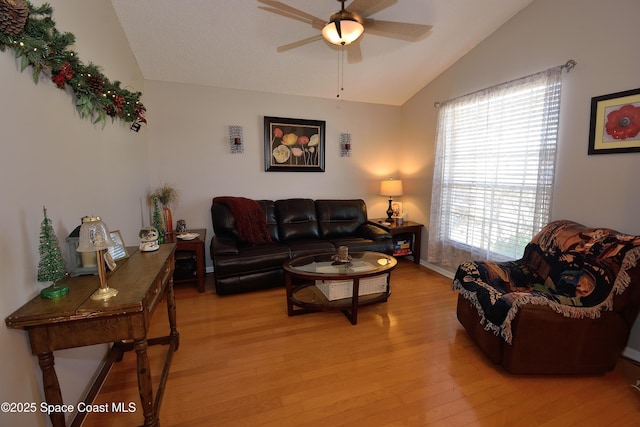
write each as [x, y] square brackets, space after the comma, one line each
[49, 156]
[189, 148]
[601, 36]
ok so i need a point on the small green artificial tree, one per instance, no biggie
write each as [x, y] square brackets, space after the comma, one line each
[158, 221]
[51, 267]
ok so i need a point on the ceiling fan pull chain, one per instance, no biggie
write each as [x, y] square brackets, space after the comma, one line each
[342, 71]
[340, 86]
[338, 74]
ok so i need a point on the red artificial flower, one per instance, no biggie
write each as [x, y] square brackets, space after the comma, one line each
[140, 110]
[59, 80]
[63, 75]
[118, 102]
[624, 122]
[67, 71]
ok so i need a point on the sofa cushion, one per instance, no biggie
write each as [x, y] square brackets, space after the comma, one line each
[249, 282]
[252, 259]
[340, 217]
[225, 225]
[359, 244]
[309, 247]
[297, 219]
[249, 216]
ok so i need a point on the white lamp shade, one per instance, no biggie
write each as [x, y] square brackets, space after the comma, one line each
[94, 236]
[350, 30]
[391, 188]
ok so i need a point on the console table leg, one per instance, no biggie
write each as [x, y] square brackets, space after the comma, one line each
[171, 308]
[144, 382]
[52, 393]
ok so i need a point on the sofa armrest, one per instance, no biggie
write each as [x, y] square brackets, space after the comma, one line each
[370, 231]
[223, 246]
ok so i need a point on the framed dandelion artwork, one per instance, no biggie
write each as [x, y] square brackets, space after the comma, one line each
[615, 123]
[293, 145]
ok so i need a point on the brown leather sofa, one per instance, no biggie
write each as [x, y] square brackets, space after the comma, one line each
[556, 324]
[297, 227]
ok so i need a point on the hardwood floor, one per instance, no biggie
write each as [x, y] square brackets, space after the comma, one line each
[243, 362]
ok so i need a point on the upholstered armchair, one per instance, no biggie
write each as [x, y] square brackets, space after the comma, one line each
[566, 307]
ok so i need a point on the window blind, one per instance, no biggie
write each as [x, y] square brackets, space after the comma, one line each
[494, 173]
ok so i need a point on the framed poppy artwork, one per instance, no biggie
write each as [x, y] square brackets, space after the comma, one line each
[293, 145]
[615, 123]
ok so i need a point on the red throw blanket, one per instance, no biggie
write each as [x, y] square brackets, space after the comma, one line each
[250, 219]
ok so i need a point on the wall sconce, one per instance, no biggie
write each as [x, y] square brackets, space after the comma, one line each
[390, 188]
[345, 145]
[95, 237]
[235, 140]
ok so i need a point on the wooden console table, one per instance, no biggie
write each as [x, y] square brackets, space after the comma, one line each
[74, 320]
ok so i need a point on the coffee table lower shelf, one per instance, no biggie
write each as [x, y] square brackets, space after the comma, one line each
[307, 298]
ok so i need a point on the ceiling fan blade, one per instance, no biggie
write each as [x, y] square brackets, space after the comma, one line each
[299, 43]
[366, 8]
[293, 13]
[396, 30]
[354, 53]
[288, 15]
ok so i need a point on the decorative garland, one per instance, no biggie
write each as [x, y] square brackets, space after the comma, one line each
[31, 33]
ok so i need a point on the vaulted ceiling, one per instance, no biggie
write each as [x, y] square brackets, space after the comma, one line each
[233, 44]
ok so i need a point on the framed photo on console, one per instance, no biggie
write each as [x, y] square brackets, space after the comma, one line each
[119, 251]
[615, 123]
[293, 145]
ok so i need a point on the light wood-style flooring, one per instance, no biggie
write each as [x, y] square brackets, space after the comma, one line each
[243, 362]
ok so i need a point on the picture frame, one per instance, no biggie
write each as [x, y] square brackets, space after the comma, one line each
[119, 251]
[294, 145]
[615, 123]
[396, 207]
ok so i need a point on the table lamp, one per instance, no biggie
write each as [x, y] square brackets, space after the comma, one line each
[95, 237]
[390, 188]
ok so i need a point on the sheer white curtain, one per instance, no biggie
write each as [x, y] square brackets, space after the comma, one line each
[494, 170]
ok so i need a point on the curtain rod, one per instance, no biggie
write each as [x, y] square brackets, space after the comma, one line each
[568, 66]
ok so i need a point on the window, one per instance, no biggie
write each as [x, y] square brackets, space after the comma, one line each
[494, 170]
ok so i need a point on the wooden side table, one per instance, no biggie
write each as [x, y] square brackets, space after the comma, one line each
[197, 247]
[75, 320]
[411, 229]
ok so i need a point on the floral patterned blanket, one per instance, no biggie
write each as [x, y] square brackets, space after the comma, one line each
[573, 269]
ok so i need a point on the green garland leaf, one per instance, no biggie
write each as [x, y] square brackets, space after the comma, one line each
[45, 49]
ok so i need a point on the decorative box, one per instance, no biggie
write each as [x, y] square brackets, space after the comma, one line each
[339, 289]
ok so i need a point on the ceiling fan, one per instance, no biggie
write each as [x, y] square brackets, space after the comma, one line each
[346, 26]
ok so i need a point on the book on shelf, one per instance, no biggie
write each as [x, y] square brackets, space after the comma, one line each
[401, 252]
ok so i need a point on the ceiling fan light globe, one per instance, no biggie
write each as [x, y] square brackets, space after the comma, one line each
[350, 31]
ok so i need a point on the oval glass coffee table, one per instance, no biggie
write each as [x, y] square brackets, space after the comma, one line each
[318, 283]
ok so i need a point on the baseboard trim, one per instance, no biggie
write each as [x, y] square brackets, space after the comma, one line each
[438, 269]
